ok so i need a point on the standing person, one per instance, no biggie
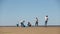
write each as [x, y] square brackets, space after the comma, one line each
[29, 24]
[46, 20]
[36, 24]
[22, 24]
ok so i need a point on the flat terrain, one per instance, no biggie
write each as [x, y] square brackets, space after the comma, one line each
[29, 30]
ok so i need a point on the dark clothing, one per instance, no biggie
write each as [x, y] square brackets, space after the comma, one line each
[22, 25]
[17, 25]
[45, 23]
[36, 24]
[29, 25]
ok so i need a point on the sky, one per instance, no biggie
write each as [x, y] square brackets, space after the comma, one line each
[13, 11]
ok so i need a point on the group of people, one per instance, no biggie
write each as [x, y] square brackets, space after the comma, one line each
[22, 24]
[36, 23]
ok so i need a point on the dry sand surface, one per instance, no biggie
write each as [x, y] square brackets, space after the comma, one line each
[29, 30]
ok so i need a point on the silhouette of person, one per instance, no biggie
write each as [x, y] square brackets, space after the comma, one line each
[22, 24]
[17, 25]
[36, 24]
[46, 20]
[29, 24]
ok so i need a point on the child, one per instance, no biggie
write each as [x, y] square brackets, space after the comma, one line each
[29, 25]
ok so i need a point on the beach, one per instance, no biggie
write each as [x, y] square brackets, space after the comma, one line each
[29, 30]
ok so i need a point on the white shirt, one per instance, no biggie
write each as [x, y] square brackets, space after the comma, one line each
[46, 18]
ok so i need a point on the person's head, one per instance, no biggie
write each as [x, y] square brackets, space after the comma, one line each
[46, 15]
[23, 20]
[36, 18]
[29, 22]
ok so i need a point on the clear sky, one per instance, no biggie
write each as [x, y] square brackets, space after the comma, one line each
[12, 11]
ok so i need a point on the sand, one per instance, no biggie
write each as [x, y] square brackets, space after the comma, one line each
[29, 30]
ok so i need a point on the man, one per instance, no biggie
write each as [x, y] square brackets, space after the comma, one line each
[36, 24]
[46, 20]
[22, 24]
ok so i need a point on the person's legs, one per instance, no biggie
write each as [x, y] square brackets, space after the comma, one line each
[45, 23]
[36, 24]
[17, 25]
[21, 25]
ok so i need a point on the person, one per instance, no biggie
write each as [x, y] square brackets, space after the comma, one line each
[17, 25]
[22, 24]
[36, 24]
[29, 24]
[46, 20]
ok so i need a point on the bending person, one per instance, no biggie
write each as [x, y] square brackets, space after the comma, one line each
[22, 24]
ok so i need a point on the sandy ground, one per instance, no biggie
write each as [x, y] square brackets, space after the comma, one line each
[29, 30]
